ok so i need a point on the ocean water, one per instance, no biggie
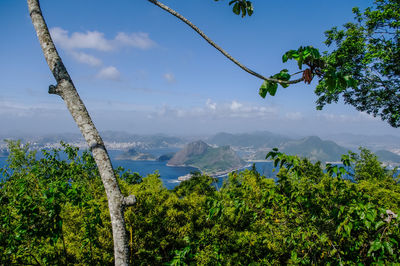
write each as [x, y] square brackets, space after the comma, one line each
[168, 174]
[3, 161]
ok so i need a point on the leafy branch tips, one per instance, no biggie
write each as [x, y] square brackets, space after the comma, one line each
[241, 7]
[271, 87]
[309, 58]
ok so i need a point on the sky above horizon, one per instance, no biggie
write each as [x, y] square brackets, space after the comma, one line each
[140, 70]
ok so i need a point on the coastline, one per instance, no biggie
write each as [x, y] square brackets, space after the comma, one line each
[215, 174]
[134, 159]
[225, 173]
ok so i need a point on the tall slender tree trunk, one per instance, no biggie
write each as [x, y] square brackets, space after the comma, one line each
[67, 91]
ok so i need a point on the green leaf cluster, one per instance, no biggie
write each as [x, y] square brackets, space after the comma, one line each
[242, 7]
[53, 211]
[269, 87]
[305, 55]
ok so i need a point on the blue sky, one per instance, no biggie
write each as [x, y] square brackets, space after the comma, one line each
[140, 70]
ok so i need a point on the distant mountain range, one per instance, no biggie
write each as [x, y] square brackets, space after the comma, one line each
[261, 139]
[209, 160]
[112, 139]
[249, 146]
[387, 156]
[314, 149]
[257, 145]
[354, 141]
[151, 141]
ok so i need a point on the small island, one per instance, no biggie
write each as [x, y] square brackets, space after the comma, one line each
[134, 155]
[209, 160]
[166, 157]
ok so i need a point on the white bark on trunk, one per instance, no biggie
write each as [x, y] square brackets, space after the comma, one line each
[67, 91]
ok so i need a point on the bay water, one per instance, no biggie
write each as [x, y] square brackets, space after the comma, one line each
[168, 174]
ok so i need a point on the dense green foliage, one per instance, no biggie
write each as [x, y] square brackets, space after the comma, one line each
[369, 51]
[362, 66]
[54, 210]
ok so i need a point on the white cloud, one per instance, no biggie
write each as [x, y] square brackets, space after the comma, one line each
[97, 41]
[235, 106]
[86, 59]
[210, 105]
[338, 117]
[366, 116]
[78, 40]
[21, 109]
[110, 72]
[248, 110]
[294, 116]
[169, 77]
[358, 117]
[220, 111]
[139, 40]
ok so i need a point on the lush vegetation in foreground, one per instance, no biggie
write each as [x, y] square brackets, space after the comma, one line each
[54, 211]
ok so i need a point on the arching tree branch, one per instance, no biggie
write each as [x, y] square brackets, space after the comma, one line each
[227, 55]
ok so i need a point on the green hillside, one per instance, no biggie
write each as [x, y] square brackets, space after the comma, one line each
[207, 159]
[387, 156]
[314, 149]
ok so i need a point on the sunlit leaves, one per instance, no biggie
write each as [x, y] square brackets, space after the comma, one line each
[348, 161]
[304, 55]
[332, 84]
[290, 162]
[308, 56]
[363, 65]
[43, 196]
[269, 87]
[241, 7]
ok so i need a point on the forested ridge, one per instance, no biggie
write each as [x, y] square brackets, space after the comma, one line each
[55, 211]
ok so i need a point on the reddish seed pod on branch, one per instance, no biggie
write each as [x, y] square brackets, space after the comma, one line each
[307, 76]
